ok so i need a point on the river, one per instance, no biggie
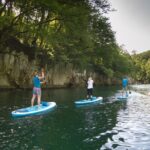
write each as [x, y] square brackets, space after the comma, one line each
[113, 124]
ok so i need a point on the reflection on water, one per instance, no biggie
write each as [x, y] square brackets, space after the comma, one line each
[120, 125]
[132, 130]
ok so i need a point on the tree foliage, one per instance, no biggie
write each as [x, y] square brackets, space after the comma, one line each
[142, 67]
[65, 31]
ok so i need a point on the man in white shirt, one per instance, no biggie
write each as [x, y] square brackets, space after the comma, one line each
[90, 83]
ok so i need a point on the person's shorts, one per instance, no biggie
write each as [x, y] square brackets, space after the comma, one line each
[90, 91]
[124, 86]
[36, 91]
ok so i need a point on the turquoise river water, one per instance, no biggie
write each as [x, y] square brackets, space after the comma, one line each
[113, 124]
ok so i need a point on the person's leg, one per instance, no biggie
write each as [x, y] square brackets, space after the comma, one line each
[39, 100]
[88, 93]
[126, 91]
[91, 93]
[123, 90]
[32, 100]
[39, 96]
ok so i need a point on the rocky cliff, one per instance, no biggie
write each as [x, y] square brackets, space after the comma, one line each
[16, 72]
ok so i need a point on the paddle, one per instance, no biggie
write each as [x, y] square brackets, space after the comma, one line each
[129, 90]
[42, 77]
[46, 84]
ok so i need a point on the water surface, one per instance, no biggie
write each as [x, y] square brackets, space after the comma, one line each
[114, 124]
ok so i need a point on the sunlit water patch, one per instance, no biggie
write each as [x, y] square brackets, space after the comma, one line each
[132, 130]
[141, 88]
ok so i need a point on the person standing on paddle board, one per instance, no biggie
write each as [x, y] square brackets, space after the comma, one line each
[90, 83]
[124, 84]
[37, 86]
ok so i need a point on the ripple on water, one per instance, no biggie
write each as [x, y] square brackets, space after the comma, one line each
[133, 126]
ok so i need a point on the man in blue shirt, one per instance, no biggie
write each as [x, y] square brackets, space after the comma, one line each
[125, 84]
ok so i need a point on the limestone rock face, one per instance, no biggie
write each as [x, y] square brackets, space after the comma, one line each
[16, 71]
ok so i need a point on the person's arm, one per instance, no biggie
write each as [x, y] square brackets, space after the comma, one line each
[42, 75]
[43, 82]
[93, 83]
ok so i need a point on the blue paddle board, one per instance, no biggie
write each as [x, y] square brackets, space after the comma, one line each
[89, 101]
[34, 110]
[122, 97]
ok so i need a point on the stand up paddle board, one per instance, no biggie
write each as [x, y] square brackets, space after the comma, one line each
[122, 97]
[34, 110]
[89, 101]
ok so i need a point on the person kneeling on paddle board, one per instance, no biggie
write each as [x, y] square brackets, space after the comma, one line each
[90, 83]
[37, 87]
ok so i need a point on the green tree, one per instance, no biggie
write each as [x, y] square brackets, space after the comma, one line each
[65, 31]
